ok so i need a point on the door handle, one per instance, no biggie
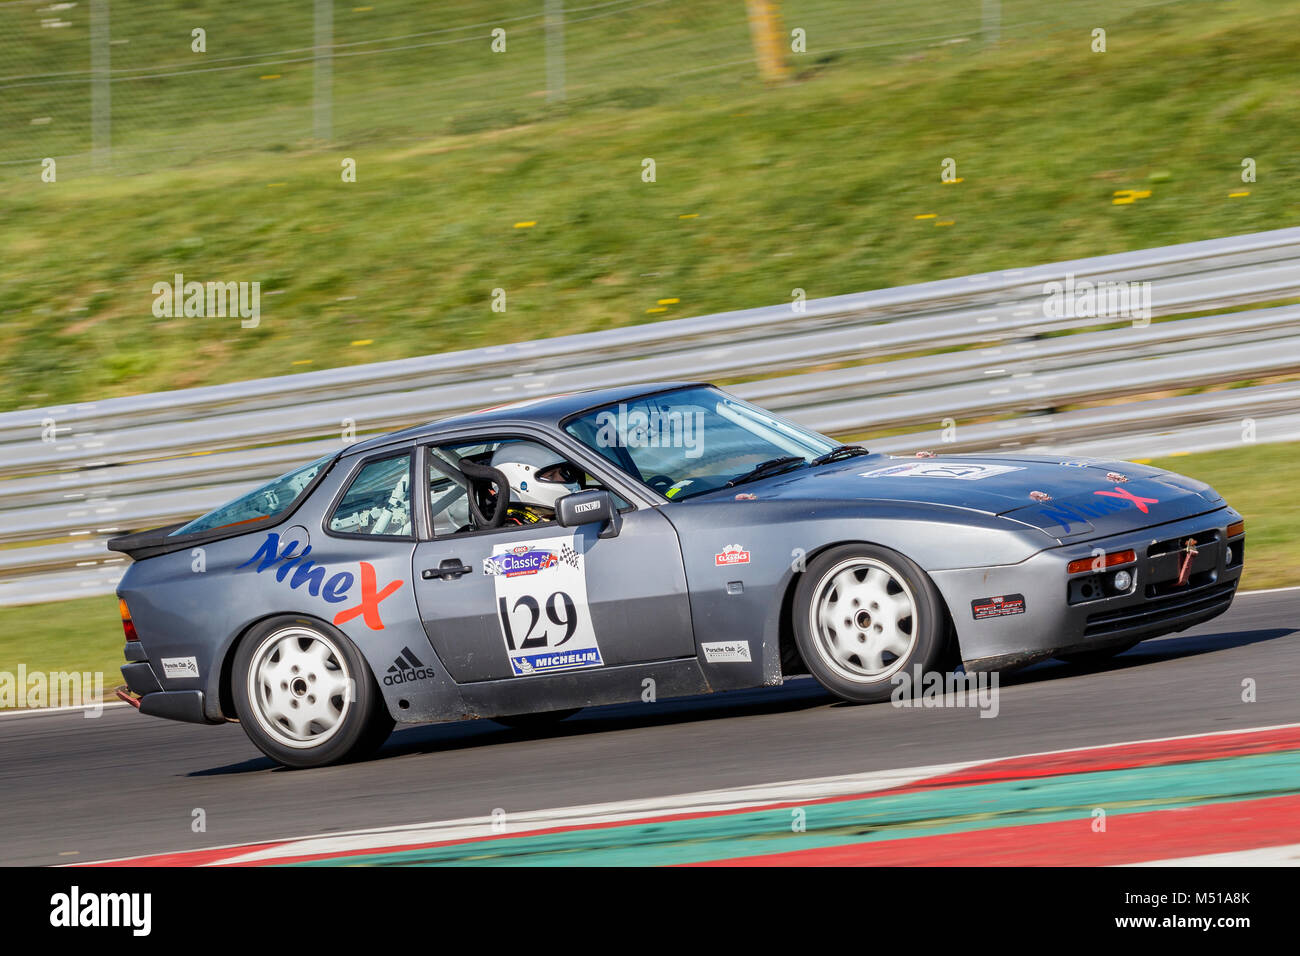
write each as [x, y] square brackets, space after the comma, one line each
[451, 569]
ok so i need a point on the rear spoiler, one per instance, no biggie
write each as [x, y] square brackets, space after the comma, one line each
[147, 544]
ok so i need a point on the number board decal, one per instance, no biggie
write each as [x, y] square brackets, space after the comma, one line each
[541, 592]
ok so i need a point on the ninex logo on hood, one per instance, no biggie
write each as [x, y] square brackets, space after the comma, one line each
[334, 588]
[1139, 502]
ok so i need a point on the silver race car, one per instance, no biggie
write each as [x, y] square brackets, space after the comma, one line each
[637, 543]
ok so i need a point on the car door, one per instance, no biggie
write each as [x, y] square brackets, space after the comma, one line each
[521, 601]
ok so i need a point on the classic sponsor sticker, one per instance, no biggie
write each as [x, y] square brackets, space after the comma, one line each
[542, 609]
[520, 559]
[940, 469]
[999, 605]
[180, 667]
[723, 652]
[731, 554]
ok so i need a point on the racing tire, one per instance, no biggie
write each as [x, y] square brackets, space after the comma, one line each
[305, 695]
[1097, 655]
[538, 721]
[862, 614]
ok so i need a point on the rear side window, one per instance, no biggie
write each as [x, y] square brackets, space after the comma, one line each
[378, 502]
[271, 499]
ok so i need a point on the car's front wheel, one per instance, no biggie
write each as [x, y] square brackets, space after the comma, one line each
[862, 614]
[305, 695]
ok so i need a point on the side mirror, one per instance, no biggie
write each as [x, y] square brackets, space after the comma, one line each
[589, 507]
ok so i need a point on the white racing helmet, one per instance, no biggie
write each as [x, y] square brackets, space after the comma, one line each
[537, 475]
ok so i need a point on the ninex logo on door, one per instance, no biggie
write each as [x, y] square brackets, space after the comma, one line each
[334, 588]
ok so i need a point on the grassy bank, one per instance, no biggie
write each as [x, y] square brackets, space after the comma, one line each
[469, 181]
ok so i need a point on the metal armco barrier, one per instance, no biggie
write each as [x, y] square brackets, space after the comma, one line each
[975, 348]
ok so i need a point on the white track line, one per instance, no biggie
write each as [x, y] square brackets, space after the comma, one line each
[468, 828]
[1263, 856]
[709, 801]
[42, 711]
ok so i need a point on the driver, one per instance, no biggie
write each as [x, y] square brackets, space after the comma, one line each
[538, 478]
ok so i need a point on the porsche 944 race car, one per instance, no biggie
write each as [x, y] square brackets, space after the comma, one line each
[658, 540]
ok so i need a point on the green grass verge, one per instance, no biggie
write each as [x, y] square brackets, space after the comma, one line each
[815, 185]
[67, 636]
[85, 635]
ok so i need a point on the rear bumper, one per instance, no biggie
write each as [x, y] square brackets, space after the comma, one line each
[184, 705]
[1058, 618]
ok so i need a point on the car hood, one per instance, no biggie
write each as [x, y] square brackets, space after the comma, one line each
[1081, 500]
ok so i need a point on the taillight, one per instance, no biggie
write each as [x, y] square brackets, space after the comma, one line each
[1236, 528]
[1100, 562]
[128, 625]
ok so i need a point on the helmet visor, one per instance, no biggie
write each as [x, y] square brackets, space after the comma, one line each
[562, 472]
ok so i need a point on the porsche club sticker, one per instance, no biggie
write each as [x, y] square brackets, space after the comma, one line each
[726, 652]
[1000, 605]
[940, 469]
[731, 554]
[179, 667]
[542, 609]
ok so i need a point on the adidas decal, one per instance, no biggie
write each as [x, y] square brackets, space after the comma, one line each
[406, 668]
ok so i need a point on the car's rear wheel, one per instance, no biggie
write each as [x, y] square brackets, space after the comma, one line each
[305, 695]
[862, 614]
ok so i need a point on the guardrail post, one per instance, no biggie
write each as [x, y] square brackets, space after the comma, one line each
[765, 28]
[101, 97]
[555, 51]
[992, 21]
[323, 77]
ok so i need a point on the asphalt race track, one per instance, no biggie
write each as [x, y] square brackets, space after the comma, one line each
[78, 789]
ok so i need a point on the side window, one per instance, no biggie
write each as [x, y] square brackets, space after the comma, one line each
[378, 501]
[537, 477]
[448, 502]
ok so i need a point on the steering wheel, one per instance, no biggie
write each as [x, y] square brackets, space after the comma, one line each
[660, 483]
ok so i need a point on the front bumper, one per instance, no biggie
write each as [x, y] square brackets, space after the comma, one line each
[1059, 618]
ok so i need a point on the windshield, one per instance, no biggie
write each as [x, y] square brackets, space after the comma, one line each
[265, 502]
[693, 440]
